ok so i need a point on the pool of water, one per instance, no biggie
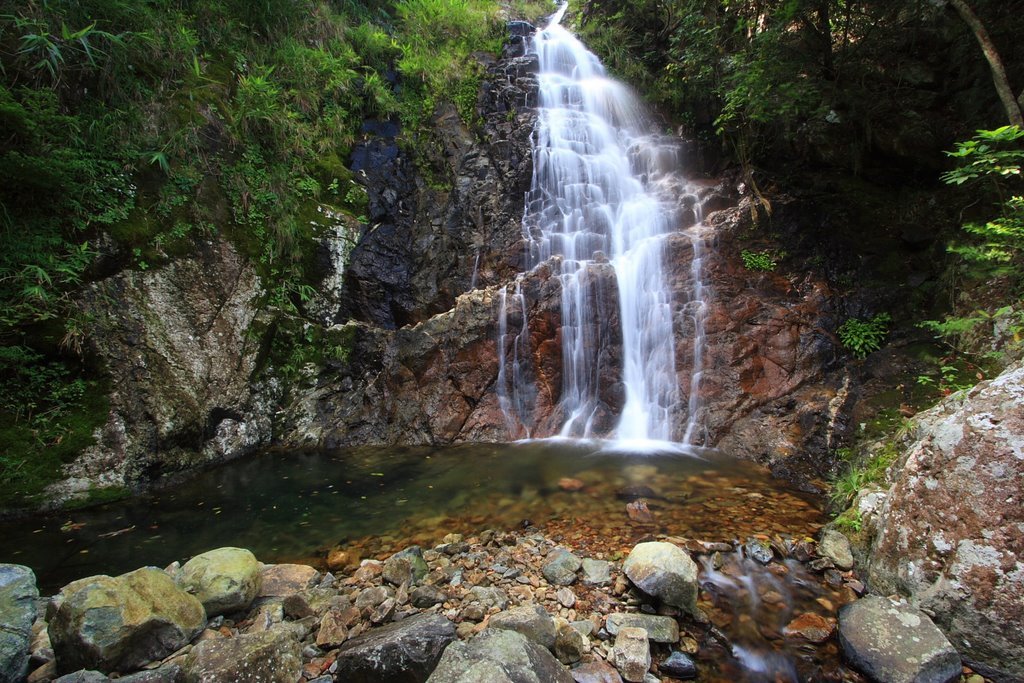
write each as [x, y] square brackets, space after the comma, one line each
[294, 506]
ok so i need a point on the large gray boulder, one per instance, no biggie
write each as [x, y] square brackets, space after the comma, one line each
[225, 580]
[18, 595]
[120, 623]
[272, 656]
[665, 571]
[948, 536]
[404, 651]
[895, 643]
[499, 656]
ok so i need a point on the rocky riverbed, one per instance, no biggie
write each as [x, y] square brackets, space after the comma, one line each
[492, 606]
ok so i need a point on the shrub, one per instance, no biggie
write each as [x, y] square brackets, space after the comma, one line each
[864, 336]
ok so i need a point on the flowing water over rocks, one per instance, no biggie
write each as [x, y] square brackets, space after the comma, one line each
[605, 195]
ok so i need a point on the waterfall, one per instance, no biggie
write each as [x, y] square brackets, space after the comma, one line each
[605, 195]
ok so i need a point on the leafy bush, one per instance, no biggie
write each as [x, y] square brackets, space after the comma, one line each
[864, 336]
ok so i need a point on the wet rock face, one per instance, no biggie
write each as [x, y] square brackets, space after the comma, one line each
[431, 241]
[949, 534]
[766, 392]
[174, 342]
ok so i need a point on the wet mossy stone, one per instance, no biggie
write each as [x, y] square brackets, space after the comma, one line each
[18, 595]
[225, 580]
[272, 656]
[121, 623]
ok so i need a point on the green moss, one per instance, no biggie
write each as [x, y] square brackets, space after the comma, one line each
[33, 453]
[99, 496]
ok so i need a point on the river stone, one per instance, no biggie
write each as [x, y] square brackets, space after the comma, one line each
[836, 547]
[530, 620]
[679, 665]
[281, 580]
[225, 580]
[18, 595]
[404, 651]
[895, 643]
[265, 657]
[948, 536]
[596, 672]
[596, 572]
[120, 623]
[659, 629]
[664, 571]
[570, 644]
[499, 656]
[398, 571]
[632, 654]
[414, 554]
[488, 596]
[561, 566]
[427, 596]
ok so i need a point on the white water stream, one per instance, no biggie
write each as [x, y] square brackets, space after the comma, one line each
[605, 194]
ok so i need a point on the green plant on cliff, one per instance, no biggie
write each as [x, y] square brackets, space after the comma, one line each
[862, 337]
[763, 261]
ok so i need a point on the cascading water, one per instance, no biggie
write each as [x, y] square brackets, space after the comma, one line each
[605, 195]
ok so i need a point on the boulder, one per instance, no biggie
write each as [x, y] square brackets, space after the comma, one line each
[836, 547]
[632, 653]
[948, 536]
[120, 623]
[499, 656]
[561, 567]
[18, 595]
[664, 571]
[272, 656]
[404, 651]
[225, 580]
[659, 629]
[530, 620]
[894, 643]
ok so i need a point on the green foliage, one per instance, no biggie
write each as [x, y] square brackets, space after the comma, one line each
[991, 162]
[764, 260]
[849, 521]
[860, 472]
[864, 336]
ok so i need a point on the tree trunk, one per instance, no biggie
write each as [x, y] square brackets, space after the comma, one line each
[1013, 109]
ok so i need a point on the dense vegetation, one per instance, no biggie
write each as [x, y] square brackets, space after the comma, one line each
[164, 122]
[135, 130]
